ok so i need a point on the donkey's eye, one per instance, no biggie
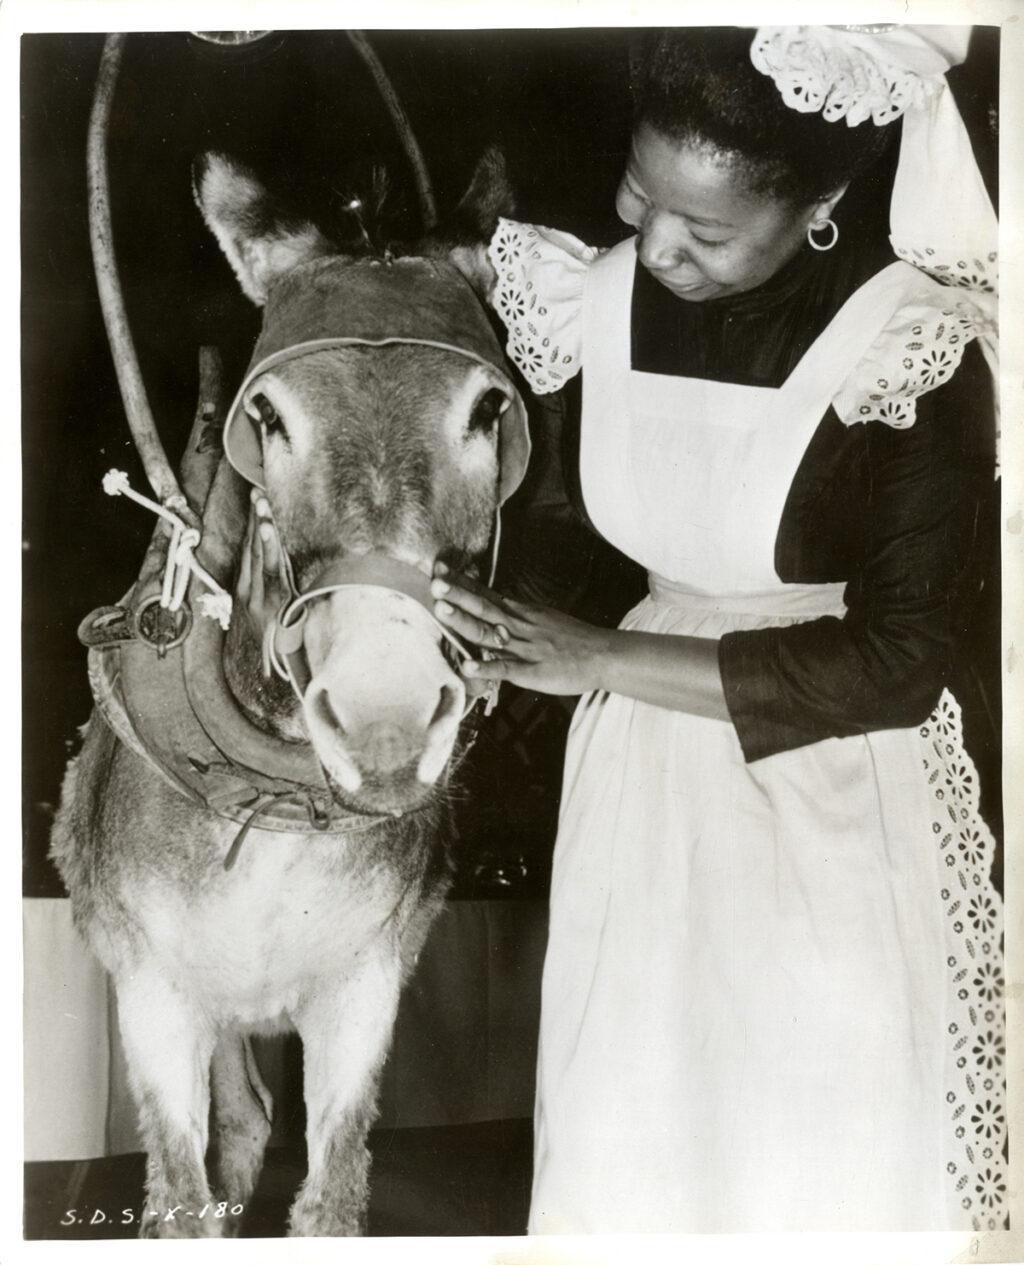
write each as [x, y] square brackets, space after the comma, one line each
[261, 410]
[488, 409]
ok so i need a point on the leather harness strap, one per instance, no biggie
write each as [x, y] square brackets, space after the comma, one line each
[239, 772]
[176, 711]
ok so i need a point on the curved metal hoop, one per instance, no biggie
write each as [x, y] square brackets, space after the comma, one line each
[161, 628]
[820, 224]
[141, 422]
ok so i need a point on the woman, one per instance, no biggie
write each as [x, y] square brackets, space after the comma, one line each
[770, 999]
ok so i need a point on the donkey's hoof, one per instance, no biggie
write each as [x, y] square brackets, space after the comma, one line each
[317, 1218]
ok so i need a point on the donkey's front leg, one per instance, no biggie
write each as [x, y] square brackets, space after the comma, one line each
[167, 1049]
[346, 1031]
[240, 1123]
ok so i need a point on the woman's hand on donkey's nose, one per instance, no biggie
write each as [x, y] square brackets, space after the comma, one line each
[472, 611]
[532, 646]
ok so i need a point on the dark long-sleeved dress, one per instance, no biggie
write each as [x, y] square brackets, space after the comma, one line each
[901, 516]
[768, 998]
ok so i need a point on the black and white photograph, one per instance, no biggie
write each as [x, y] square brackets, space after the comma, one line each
[519, 529]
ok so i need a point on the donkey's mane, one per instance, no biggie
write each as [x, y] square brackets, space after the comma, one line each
[368, 214]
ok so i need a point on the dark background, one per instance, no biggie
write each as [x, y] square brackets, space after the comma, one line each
[302, 110]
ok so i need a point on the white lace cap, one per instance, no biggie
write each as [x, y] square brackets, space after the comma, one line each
[941, 218]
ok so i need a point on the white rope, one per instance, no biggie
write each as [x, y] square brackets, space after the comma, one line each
[495, 546]
[181, 559]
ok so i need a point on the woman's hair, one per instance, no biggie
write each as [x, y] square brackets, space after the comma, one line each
[698, 86]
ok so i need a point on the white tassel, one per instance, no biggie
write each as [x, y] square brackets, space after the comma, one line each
[181, 560]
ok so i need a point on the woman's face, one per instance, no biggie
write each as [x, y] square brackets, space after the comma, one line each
[702, 231]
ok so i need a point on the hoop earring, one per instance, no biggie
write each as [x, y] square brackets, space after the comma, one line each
[820, 224]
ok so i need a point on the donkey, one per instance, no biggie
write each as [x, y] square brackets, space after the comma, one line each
[247, 853]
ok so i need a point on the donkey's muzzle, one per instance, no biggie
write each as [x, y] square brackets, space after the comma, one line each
[383, 703]
[386, 747]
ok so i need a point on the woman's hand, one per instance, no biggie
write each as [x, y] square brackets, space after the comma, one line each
[263, 585]
[531, 646]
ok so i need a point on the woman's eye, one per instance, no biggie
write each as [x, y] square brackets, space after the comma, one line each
[488, 409]
[706, 242]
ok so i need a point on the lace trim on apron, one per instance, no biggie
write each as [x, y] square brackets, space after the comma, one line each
[976, 1044]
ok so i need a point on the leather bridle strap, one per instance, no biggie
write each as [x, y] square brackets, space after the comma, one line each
[283, 644]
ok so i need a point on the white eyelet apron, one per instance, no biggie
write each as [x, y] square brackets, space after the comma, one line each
[746, 999]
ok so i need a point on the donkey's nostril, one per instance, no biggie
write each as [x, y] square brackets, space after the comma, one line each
[441, 733]
[325, 712]
[448, 703]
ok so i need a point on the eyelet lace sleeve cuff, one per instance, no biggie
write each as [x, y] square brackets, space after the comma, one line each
[538, 296]
[919, 349]
[952, 268]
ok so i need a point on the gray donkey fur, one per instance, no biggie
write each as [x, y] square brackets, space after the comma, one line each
[308, 932]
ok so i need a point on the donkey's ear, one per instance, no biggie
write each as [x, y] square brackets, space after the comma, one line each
[464, 234]
[260, 241]
[488, 197]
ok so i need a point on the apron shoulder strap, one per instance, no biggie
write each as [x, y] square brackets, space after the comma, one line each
[607, 308]
[845, 340]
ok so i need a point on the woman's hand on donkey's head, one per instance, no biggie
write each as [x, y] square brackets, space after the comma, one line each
[453, 592]
[263, 586]
[531, 646]
[470, 609]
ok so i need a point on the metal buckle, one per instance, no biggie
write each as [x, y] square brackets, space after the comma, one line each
[161, 628]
